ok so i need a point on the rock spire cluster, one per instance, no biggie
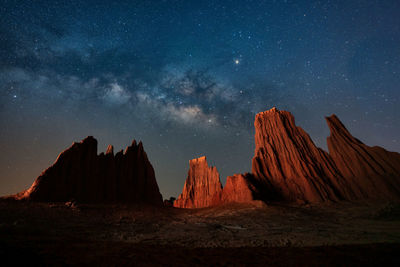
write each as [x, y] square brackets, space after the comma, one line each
[287, 166]
[79, 173]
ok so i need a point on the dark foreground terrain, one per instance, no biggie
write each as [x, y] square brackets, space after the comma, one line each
[282, 235]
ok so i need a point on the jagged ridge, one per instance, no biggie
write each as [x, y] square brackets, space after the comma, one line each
[80, 174]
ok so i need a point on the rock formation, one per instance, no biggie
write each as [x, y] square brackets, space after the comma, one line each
[287, 162]
[287, 166]
[80, 174]
[290, 167]
[240, 188]
[202, 187]
[371, 172]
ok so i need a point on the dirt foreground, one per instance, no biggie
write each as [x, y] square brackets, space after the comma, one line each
[233, 235]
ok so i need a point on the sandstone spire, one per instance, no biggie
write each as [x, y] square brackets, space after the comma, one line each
[202, 187]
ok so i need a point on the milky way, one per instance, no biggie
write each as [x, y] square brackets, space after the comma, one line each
[188, 77]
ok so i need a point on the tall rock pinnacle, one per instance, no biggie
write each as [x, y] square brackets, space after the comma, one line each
[202, 187]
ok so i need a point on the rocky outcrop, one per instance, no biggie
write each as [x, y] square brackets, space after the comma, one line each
[371, 172]
[289, 165]
[80, 174]
[240, 188]
[202, 187]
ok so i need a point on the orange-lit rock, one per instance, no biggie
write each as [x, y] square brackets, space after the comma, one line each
[240, 188]
[371, 172]
[80, 174]
[202, 187]
[289, 165]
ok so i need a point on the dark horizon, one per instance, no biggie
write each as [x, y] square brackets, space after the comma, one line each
[187, 78]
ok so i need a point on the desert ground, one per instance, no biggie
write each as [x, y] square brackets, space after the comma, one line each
[233, 235]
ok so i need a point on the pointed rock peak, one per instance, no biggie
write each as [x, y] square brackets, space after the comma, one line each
[131, 147]
[110, 150]
[336, 126]
[371, 172]
[134, 143]
[332, 117]
[140, 146]
[140, 150]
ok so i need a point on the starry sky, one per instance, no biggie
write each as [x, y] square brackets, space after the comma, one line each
[187, 78]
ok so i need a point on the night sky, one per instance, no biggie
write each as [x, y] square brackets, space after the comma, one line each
[187, 78]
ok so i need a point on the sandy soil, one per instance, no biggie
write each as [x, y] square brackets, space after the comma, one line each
[70, 234]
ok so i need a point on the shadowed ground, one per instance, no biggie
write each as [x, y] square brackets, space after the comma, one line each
[69, 234]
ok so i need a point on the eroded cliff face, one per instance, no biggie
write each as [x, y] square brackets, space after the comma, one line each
[80, 174]
[371, 172]
[202, 187]
[289, 165]
[291, 168]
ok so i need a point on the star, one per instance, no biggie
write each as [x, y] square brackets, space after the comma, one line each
[237, 61]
